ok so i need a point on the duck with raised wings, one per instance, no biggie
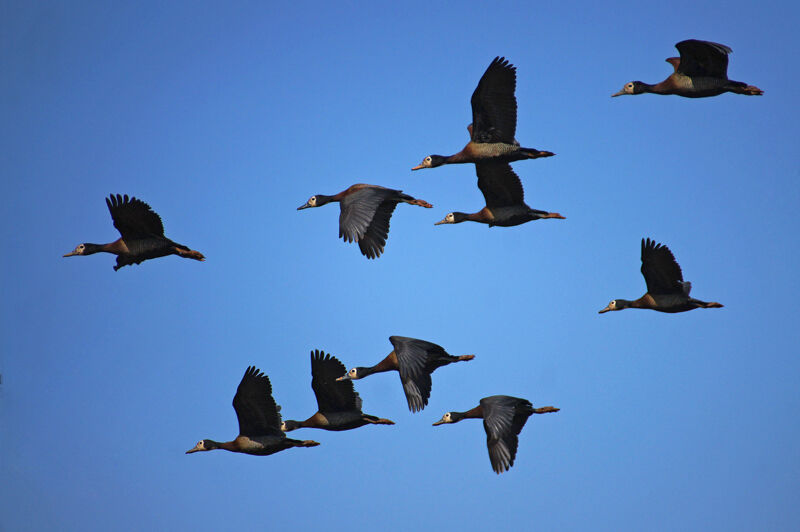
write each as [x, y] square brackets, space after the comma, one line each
[142, 235]
[494, 122]
[259, 421]
[666, 289]
[505, 199]
[700, 71]
[338, 404]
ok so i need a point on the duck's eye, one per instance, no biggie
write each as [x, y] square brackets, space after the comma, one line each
[630, 85]
[427, 159]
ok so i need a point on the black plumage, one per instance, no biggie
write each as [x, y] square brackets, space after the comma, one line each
[504, 196]
[666, 289]
[414, 360]
[338, 404]
[259, 420]
[700, 71]
[365, 212]
[142, 235]
[503, 418]
[494, 122]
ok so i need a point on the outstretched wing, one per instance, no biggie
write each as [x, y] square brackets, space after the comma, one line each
[255, 408]
[500, 185]
[660, 270]
[332, 396]
[415, 373]
[134, 218]
[358, 210]
[494, 107]
[373, 241]
[503, 419]
[703, 58]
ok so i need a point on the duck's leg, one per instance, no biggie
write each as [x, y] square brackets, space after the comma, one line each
[377, 420]
[705, 304]
[188, 253]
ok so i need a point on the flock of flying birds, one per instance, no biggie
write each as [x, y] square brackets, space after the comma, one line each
[366, 210]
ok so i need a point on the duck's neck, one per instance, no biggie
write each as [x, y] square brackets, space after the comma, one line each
[387, 364]
[624, 303]
[474, 413]
[322, 199]
[91, 249]
[457, 158]
[664, 87]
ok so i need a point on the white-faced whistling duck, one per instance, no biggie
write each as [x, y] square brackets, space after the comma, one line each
[415, 360]
[503, 419]
[494, 122]
[365, 214]
[142, 235]
[505, 199]
[259, 421]
[338, 404]
[666, 289]
[700, 71]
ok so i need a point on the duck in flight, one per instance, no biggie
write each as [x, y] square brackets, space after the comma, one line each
[259, 421]
[365, 214]
[700, 71]
[338, 404]
[414, 360]
[142, 235]
[505, 199]
[666, 289]
[503, 418]
[494, 122]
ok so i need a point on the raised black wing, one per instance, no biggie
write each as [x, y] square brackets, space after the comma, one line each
[255, 408]
[503, 419]
[494, 107]
[703, 58]
[134, 218]
[660, 270]
[332, 396]
[415, 373]
[501, 187]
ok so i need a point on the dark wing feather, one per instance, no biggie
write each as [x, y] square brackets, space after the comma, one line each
[373, 241]
[255, 408]
[332, 396]
[501, 187]
[415, 373]
[358, 209]
[703, 58]
[134, 218]
[503, 419]
[494, 107]
[660, 270]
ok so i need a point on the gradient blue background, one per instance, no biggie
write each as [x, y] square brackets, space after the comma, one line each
[225, 119]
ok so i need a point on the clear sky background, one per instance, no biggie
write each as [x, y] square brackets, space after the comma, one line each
[225, 119]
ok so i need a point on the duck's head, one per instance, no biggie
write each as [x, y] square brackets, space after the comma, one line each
[315, 201]
[450, 417]
[452, 218]
[83, 249]
[204, 445]
[616, 304]
[632, 87]
[431, 161]
[354, 374]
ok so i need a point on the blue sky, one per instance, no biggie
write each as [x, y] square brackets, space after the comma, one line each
[225, 119]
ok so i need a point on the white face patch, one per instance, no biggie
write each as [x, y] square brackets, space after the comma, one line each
[312, 201]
